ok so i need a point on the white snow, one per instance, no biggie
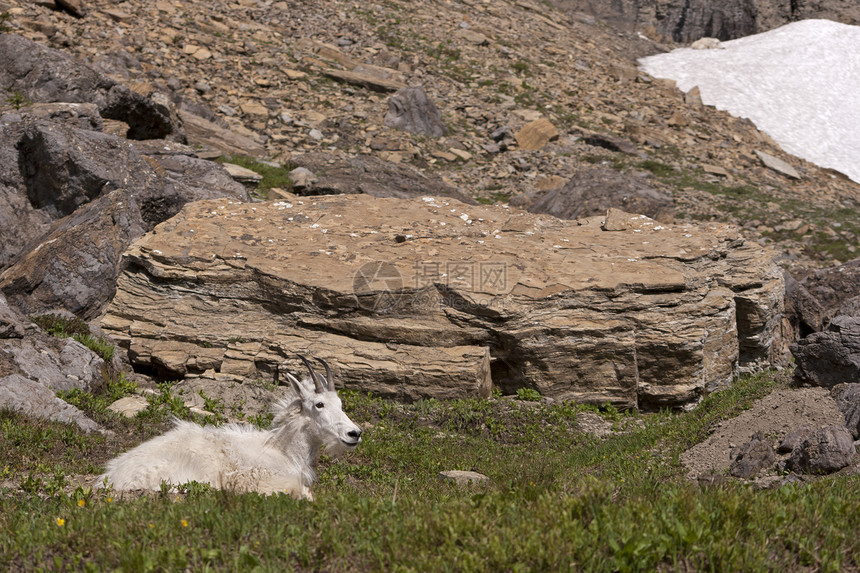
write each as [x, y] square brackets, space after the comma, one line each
[800, 84]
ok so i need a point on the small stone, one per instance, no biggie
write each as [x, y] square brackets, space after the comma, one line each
[444, 155]
[202, 54]
[316, 135]
[410, 109]
[294, 74]
[464, 478]
[254, 109]
[302, 177]
[777, 164]
[129, 406]
[74, 7]
[537, 134]
[464, 155]
[242, 174]
[715, 170]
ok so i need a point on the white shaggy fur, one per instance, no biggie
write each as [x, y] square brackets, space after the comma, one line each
[242, 458]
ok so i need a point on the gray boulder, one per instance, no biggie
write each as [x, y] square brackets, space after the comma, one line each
[824, 451]
[79, 198]
[32, 398]
[409, 109]
[64, 168]
[831, 357]
[794, 439]
[368, 175]
[752, 457]
[594, 190]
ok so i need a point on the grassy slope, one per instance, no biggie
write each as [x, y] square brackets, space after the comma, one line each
[559, 500]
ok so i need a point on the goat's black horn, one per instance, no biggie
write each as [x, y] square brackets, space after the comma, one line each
[328, 376]
[314, 376]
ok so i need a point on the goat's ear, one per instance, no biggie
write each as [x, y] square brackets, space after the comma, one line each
[297, 387]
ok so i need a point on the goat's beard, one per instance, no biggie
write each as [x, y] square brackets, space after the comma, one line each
[335, 448]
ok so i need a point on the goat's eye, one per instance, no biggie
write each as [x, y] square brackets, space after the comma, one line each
[320, 405]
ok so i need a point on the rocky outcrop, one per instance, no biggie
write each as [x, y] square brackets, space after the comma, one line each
[35, 366]
[815, 298]
[436, 298]
[830, 357]
[752, 457]
[847, 397]
[688, 20]
[29, 397]
[42, 74]
[77, 199]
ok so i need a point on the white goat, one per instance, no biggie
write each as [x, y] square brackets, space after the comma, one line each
[242, 458]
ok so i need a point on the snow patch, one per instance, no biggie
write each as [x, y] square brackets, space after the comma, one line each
[799, 83]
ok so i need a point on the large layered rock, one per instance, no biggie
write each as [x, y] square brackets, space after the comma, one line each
[432, 297]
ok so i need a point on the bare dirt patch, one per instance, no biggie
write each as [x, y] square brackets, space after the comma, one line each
[776, 415]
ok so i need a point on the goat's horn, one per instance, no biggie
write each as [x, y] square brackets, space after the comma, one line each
[314, 376]
[328, 376]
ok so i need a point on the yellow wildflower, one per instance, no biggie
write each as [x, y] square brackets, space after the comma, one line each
[61, 522]
[184, 522]
[81, 503]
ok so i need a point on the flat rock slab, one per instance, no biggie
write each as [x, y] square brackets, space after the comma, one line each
[432, 297]
[777, 164]
[464, 477]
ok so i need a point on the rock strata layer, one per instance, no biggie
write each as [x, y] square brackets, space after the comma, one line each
[433, 297]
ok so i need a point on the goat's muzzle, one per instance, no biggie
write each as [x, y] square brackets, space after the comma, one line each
[355, 435]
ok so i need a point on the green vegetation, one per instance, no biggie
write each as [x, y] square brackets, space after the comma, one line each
[98, 402]
[15, 98]
[495, 197]
[4, 18]
[528, 395]
[273, 176]
[558, 500]
[65, 327]
[522, 67]
[746, 202]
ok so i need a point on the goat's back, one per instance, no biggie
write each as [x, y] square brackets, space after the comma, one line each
[231, 457]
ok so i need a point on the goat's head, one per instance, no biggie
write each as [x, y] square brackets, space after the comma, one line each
[322, 406]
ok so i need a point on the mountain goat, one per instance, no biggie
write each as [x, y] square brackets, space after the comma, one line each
[242, 458]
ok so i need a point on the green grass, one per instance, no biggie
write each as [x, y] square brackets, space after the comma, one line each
[113, 390]
[558, 500]
[272, 176]
[65, 327]
[745, 202]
